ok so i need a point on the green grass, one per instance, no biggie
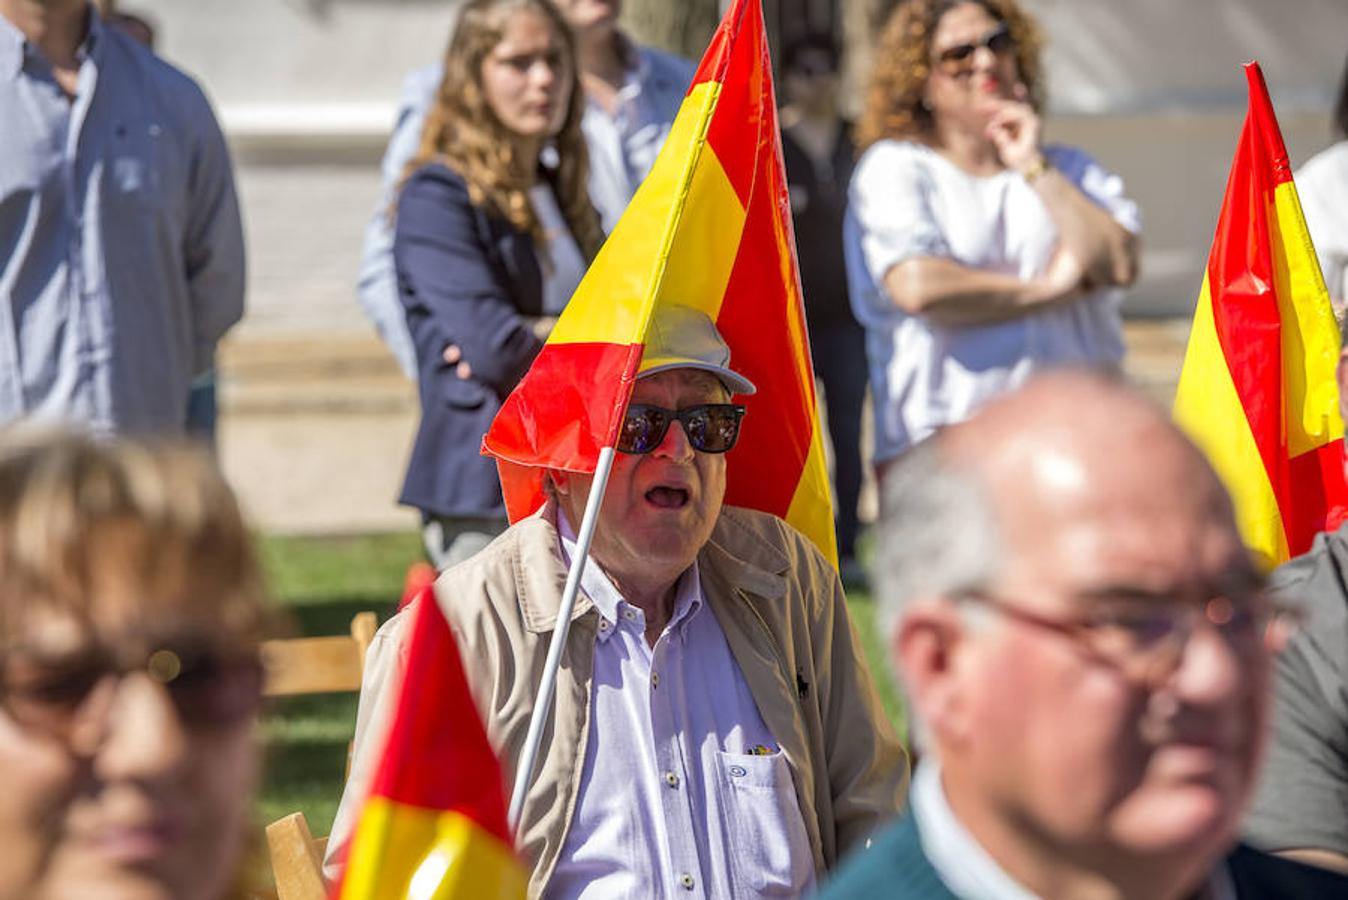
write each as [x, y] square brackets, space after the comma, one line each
[322, 583]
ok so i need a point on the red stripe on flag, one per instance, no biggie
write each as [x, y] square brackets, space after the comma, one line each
[1317, 481]
[437, 755]
[578, 414]
[1244, 307]
[1266, 130]
[745, 108]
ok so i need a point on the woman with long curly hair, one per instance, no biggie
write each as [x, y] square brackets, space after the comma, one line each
[493, 231]
[976, 254]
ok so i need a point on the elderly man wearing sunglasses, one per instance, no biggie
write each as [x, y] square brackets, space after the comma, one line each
[716, 732]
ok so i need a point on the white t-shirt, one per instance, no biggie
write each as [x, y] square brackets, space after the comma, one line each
[561, 263]
[907, 201]
[1322, 184]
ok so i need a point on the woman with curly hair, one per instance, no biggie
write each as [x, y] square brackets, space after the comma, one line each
[493, 232]
[975, 253]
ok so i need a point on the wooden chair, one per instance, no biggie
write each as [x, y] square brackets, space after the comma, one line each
[296, 859]
[319, 665]
[315, 665]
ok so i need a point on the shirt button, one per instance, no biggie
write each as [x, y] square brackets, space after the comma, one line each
[655, 679]
[603, 625]
[671, 779]
[629, 615]
[686, 881]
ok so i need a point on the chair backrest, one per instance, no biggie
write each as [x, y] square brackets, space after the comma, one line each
[313, 665]
[316, 665]
[296, 859]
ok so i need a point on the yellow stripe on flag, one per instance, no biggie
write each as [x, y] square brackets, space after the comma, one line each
[812, 495]
[1310, 336]
[1208, 408]
[678, 239]
[402, 851]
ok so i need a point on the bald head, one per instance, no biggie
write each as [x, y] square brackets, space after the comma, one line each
[1067, 447]
[1035, 554]
[1078, 446]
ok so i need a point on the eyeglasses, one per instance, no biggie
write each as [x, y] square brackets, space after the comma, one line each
[209, 689]
[1146, 640]
[959, 59]
[711, 427]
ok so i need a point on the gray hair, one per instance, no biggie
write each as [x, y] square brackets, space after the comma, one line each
[937, 536]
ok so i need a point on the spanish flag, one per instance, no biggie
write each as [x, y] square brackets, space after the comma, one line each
[710, 228]
[1257, 391]
[434, 825]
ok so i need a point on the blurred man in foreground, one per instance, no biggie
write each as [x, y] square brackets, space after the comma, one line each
[1086, 645]
[715, 731]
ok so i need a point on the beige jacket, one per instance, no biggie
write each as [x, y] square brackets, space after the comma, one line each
[782, 609]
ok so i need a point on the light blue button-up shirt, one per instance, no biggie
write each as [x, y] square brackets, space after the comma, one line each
[121, 248]
[684, 792]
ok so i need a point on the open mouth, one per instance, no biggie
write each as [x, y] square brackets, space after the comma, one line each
[667, 497]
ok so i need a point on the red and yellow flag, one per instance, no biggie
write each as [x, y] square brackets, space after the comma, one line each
[1257, 392]
[710, 228]
[434, 825]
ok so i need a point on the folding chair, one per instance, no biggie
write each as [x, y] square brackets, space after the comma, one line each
[313, 665]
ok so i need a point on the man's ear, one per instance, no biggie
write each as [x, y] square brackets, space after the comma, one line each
[925, 646]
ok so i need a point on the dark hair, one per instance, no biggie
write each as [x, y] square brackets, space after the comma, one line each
[811, 41]
[1341, 106]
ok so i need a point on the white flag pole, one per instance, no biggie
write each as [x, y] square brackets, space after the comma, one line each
[524, 773]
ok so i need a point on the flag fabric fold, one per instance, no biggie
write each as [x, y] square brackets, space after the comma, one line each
[710, 228]
[1257, 390]
[434, 824]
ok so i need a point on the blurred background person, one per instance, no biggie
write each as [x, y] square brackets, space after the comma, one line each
[131, 610]
[1301, 810]
[125, 261]
[493, 231]
[631, 95]
[975, 254]
[1322, 184]
[817, 146]
[202, 409]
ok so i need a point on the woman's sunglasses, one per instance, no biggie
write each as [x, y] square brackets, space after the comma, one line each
[208, 688]
[959, 59]
[711, 427]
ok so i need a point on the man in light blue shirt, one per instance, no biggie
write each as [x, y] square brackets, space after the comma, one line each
[632, 95]
[121, 247]
[715, 732]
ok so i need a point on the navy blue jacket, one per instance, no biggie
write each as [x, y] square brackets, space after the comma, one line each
[895, 867]
[465, 277]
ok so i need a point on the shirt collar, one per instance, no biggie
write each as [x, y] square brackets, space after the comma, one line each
[14, 45]
[614, 611]
[963, 864]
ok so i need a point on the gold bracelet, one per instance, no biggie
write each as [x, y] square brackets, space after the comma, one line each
[1035, 170]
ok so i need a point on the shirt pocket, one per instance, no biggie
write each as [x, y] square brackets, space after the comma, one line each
[769, 851]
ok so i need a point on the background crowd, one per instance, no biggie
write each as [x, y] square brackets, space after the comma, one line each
[949, 254]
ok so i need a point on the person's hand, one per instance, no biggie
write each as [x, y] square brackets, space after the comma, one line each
[1015, 130]
[454, 357]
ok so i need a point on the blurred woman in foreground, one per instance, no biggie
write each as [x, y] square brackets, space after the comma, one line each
[131, 610]
[493, 232]
[975, 253]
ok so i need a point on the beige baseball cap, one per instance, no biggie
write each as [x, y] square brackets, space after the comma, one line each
[680, 337]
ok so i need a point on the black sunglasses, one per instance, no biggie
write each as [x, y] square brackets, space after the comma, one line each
[959, 58]
[208, 688]
[711, 427]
